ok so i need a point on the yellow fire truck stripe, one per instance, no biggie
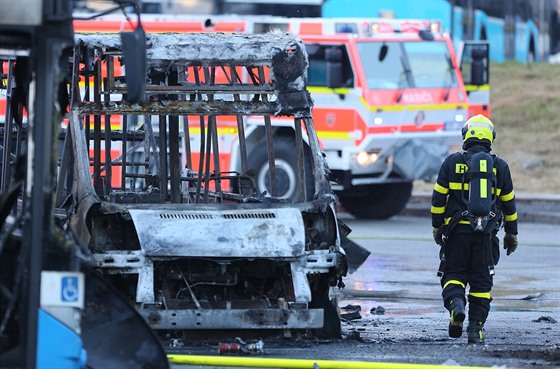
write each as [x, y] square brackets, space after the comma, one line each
[345, 91]
[470, 88]
[334, 135]
[413, 107]
[326, 90]
[224, 131]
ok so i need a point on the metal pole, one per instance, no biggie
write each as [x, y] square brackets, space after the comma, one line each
[40, 171]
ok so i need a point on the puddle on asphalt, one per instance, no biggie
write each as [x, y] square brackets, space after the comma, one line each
[392, 303]
[396, 285]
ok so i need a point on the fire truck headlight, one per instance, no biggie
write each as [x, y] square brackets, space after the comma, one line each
[377, 121]
[459, 117]
[435, 27]
[364, 158]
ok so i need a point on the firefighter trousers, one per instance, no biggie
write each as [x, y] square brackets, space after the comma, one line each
[467, 262]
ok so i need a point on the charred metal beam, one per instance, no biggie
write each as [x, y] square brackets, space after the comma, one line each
[217, 107]
[215, 89]
[201, 49]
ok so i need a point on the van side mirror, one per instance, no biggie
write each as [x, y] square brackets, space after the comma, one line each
[333, 57]
[477, 67]
[134, 52]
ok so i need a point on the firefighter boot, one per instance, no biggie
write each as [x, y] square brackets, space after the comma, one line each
[456, 309]
[474, 332]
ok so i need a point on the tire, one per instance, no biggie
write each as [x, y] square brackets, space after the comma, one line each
[380, 201]
[332, 326]
[285, 156]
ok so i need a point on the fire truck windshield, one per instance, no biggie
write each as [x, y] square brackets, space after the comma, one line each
[427, 62]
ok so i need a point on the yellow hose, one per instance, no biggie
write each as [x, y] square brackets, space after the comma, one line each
[257, 362]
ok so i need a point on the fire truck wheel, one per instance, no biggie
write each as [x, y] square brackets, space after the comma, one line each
[287, 184]
[380, 201]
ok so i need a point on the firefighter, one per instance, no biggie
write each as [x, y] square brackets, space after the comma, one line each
[469, 251]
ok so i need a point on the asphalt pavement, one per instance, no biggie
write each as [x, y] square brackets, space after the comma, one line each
[402, 322]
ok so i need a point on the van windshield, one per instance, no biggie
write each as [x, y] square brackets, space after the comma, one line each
[412, 64]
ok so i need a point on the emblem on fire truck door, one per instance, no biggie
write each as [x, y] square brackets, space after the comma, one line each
[419, 118]
[330, 119]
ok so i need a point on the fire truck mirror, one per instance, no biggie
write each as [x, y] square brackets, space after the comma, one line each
[383, 52]
[426, 35]
[333, 56]
[134, 50]
[477, 66]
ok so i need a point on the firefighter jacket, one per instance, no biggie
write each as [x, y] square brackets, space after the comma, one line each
[451, 190]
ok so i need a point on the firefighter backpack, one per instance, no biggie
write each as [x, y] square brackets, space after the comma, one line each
[481, 201]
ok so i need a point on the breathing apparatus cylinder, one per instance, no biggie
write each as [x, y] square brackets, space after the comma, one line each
[480, 187]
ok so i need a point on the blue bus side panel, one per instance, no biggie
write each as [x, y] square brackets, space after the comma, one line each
[437, 9]
[58, 346]
[440, 10]
[523, 35]
[495, 32]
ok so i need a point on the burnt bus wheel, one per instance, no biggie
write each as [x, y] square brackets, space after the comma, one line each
[380, 201]
[287, 183]
[332, 327]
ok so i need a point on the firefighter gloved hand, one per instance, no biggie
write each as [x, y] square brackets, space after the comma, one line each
[438, 235]
[510, 243]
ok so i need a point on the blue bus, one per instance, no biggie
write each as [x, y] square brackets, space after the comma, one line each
[517, 30]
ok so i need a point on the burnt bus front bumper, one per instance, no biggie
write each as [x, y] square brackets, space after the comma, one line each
[234, 318]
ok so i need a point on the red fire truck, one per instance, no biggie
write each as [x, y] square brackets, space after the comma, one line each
[390, 98]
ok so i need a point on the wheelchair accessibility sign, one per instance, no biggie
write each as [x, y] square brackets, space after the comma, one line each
[62, 289]
[69, 289]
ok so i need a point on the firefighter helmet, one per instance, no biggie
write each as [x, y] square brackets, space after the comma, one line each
[479, 127]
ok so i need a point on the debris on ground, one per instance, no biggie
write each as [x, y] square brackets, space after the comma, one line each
[532, 296]
[355, 335]
[546, 319]
[351, 308]
[380, 310]
[176, 343]
[352, 312]
[240, 346]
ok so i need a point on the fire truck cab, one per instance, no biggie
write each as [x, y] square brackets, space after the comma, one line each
[390, 98]
[389, 102]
